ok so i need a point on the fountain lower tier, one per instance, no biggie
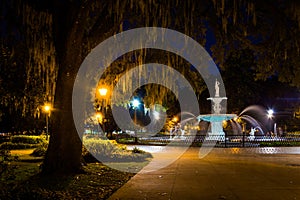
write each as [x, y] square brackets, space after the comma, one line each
[216, 117]
[216, 121]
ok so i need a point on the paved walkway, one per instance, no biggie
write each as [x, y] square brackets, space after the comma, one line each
[258, 173]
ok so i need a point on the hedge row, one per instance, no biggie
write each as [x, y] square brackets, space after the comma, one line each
[26, 139]
[23, 142]
[10, 146]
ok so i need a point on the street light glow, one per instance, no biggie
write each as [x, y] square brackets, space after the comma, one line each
[103, 91]
[175, 119]
[270, 113]
[47, 108]
[99, 117]
[135, 103]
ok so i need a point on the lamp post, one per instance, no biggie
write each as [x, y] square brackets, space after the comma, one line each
[103, 93]
[99, 118]
[135, 104]
[47, 110]
[244, 132]
[270, 115]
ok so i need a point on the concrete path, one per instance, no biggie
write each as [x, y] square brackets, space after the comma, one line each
[232, 173]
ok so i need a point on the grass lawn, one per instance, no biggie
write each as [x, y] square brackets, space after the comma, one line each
[25, 157]
[21, 152]
[23, 181]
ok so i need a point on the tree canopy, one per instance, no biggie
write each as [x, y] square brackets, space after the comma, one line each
[270, 29]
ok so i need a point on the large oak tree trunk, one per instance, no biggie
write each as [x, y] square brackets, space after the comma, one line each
[65, 146]
[64, 151]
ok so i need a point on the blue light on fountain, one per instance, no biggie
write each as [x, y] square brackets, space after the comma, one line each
[216, 118]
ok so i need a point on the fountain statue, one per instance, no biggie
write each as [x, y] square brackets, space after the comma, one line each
[251, 134]
[216, 118]
[217, 88]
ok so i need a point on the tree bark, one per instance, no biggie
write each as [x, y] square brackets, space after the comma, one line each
[64, 151]
[65, 145]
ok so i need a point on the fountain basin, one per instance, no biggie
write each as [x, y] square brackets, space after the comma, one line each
[216, 117]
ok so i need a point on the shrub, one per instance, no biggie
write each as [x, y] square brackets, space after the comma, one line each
[23, 142]
[27, 139]
[103, 148]
[110, 151]
[10, 146]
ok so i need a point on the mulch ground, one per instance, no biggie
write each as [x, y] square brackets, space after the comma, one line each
[23, 181]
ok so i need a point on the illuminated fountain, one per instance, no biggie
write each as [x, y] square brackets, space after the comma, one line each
[216, 119]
